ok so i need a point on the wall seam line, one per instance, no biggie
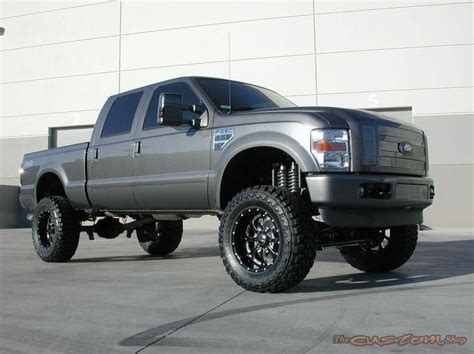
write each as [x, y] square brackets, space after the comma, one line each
[315, 52]
[159, 67]
[217, 24]
[161, 30]
[397, 48]
[44, 113]
[451, 164]
[58, 77]
[392, 8]
[120, 48]
[57, 43]
[434, 114]
[396, 90]
[288, 96]
[55, 10]
[319, 53]
[11, 137]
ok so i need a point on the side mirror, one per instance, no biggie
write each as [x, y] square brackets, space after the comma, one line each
[170, 111]
[171, 108]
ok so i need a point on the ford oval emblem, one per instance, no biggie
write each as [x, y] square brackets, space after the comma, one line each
[406, 148]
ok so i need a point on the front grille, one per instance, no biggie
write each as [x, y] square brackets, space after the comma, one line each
[411, 192]
[389, 158]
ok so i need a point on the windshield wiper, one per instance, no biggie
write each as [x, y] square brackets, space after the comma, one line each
[236, 108]
[242, 108]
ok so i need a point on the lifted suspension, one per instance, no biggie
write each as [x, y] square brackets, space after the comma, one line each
[112, 227]
[337, 237]
[285, 177]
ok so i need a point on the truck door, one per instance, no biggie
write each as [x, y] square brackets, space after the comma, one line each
[109, 162]
[172, 167]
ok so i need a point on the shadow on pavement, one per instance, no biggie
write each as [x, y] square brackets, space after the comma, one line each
[197, 252]
[432, 261]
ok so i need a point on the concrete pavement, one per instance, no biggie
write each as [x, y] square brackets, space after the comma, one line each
[113, 298]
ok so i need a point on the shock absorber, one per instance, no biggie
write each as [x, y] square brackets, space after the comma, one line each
[282, 177]
[293, 179]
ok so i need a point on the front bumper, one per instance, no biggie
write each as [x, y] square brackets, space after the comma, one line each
[342, 202]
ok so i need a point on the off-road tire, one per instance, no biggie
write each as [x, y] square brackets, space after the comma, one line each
[62, 243]
[296, 252]
[398, 251]
[160, 238]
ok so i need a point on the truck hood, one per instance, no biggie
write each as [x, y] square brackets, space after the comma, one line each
[330, 117]
[375, 138]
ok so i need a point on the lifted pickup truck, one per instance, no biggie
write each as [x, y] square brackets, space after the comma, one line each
[285, 181]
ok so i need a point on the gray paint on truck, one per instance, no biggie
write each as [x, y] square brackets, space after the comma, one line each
[176, 169]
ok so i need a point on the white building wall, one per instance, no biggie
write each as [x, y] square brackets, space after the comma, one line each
[60, 60]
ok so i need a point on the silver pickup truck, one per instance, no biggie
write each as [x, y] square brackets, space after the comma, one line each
[285, 181]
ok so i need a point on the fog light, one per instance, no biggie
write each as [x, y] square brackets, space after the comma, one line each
[375, 190]
[432, 192]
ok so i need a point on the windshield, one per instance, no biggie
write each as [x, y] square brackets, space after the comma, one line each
[243, 97]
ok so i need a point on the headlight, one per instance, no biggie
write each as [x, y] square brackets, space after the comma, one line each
[330, 147]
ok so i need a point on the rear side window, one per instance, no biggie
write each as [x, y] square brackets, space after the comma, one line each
[120, 117]
[189, 98]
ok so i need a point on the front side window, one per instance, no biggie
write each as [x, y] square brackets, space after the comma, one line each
[238, 96]
[189, 98]
[120, 117]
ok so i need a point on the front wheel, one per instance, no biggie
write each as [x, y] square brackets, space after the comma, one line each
[160, 238]
[391, 250]
[265, 239]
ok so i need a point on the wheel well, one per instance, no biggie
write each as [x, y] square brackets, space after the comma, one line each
[49, 184]
[248, 168]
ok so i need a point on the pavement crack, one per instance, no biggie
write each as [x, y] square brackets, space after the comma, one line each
[330, 329]
[187, 323]
[164, 330]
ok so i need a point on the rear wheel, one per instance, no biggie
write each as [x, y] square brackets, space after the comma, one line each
[160, 238]
[55, 229]
[265, 239]
[390, 250]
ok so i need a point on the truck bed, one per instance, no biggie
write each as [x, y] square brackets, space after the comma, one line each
[69, 162]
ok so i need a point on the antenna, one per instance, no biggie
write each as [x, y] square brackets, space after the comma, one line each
[230, 102]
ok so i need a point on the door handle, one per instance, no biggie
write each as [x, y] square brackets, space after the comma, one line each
[136, 148]
[95, 154]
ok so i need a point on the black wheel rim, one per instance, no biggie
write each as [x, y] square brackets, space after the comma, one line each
[46, 229]
[150, 233]
[255, 238]
[379, 244]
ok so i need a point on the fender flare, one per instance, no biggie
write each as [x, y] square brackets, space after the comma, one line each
[45, 171]
[301, 155]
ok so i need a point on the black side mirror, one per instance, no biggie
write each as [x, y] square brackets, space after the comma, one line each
[170, 111]
[171, 108]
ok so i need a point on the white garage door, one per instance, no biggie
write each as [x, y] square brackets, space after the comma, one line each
[70, 135]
